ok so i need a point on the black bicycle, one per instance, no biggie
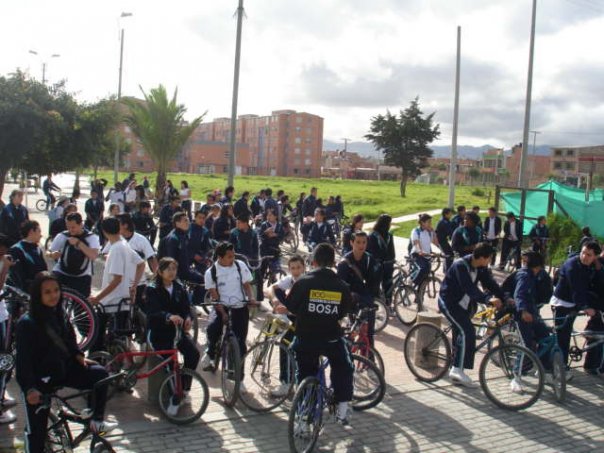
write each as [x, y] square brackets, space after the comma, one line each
[60, 437]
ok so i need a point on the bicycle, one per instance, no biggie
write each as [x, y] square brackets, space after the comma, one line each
[314, 395]
[507, 373]
[291, 234]
[192, 403]
[228, 357]
[549, 352]
[268, 364]
[429, 288]
[591, 340]
[273, 272]
[48, 202]
[60, 437]
[358, 339]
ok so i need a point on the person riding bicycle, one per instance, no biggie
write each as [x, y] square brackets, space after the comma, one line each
[466, 237]
[246, 243]
[94, 209]
[48, 186]
[48, 358]
[422, 238]
[74, 251]
[458, 290]
[167, 310]
[512, 239]
[13, 216]
[319, 300]
[361, 272]
[356, 224]
[381, 247]
[200, 241]
[444, 231]
[271, 235]
[27, 256]
[229, 282]
[539, 235]
[579, 287]
[123, 271]
[319, 231]
[143, 222]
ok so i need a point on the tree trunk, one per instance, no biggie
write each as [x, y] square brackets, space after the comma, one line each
[76, 185]
[403, 186]
[96, 170]
[160, 181]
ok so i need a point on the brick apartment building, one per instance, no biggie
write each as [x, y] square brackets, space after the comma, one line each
[286, 143]
[537, 167]
[574, 164]
[438, 169]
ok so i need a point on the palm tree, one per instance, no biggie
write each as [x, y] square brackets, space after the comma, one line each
[160, 126]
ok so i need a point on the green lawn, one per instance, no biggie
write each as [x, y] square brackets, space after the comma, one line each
[370, 198]
[404, 229]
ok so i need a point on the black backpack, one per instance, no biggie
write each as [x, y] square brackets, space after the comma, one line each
[73, 261]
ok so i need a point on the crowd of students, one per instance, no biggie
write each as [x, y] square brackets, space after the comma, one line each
[200, 247]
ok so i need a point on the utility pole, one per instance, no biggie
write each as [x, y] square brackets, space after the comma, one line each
[522, 182]
[453, 160]
[233, 139]
[116, 156]
[534, 152]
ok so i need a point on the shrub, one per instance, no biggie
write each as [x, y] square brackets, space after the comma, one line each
[563, 233]
[478, 193]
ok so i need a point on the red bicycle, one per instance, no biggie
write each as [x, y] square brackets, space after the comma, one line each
[358, 338]
[183, 395]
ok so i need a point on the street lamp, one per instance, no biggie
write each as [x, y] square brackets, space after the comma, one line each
[116, 157]
[44, 63]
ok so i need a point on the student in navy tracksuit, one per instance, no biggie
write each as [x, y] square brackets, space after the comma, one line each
[13, 216]
[319, 231]
[580, 287]
[381, 247]
[270, 204]
[466, 237]
[28, 256]
[460, 289]
[178, 247]
[271, 235]
[458, 219]
[356, 224]
[168, 309]
[223, 225]
[246, 243]
[166, 214]
[48, 358]
[444, 231]
[539, 234]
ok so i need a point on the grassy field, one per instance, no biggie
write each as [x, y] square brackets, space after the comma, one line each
[370, 198]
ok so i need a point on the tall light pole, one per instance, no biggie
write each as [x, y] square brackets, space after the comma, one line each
[116, 156]
[233, 135]
[534, 151]
[44, 63]
[453, 160]
[522, 182]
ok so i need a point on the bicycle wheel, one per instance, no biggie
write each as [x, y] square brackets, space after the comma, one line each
[191, 396]
[113, 367]
[515, 380]
[427, 352]
[56, 435]
[406, 305]
[364, 350]
[267, 384]
[230, 366]
[305, 419]
[381, 314]
[369, 386]
[428, 294]
[83, 318]
[558, 376]
[41, 205]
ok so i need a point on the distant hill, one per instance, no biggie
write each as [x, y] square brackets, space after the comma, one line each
[470, 152]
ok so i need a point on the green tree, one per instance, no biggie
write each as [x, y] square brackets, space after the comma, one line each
[159, 124]
[473, 173]
[404, 140]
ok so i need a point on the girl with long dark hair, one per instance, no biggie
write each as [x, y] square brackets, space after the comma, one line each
[381, 247]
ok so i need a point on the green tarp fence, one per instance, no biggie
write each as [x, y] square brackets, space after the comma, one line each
[571, 200]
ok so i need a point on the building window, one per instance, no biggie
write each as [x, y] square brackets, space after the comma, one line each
[308, 151]
[298, 119]
[225, 169]
[570, 166]
[570, 152]
[140, 152]
[557, 165]
[141, 164]
[298, 128]
[251, 171]
[297, 150]
[307, 171]
[558, 152]
[297, 161]
[296, 171]
[307, 162]
[298, 140]
[308, 141]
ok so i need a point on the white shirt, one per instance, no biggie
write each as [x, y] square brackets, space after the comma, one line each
[513, 231]
[491, 232]
[122, 261]
[555, 302]
[286, 283]
[185, 194]
[141, 245]
[58, 244]
[130, 195]
[425, 241]
[117, 197]
[228, 284]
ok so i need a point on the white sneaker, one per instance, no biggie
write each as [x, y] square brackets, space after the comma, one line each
[7, 417]
[207, 364]
[172, 409]
[281, 391]
[516, 386]
[101, 426]
[457, 376]
[243, 389]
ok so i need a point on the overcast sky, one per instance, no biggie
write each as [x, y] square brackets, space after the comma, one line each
[345, 60]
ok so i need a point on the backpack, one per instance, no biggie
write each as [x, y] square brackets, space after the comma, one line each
[73, 261]
[162, 247]
[215, 279]
[410, 245]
